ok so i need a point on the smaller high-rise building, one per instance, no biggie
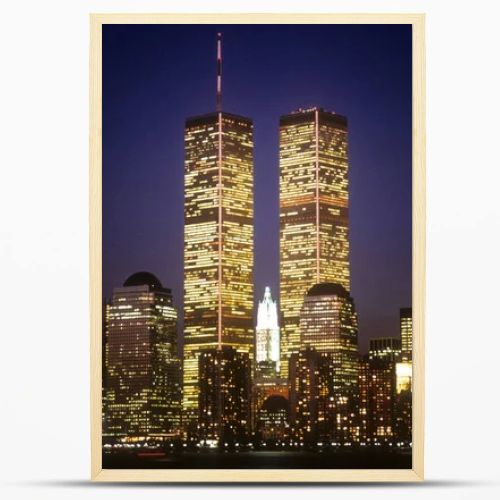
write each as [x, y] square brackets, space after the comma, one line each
[265, 384]
[322, 413]
[406, 329]
[304, 393]
[364, 400]
[329, 323]
[272, 427]
[403, 404]
[224, 398]
[385, 348]
[324, 373]
[267, 334]
[328, 320]
[142, 392]
[377, 391]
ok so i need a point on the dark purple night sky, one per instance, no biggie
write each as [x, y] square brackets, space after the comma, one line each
[155, 76]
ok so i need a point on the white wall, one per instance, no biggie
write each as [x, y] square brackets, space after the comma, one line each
[44, 257]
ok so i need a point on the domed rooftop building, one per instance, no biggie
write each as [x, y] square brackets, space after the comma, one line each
[276, 404]
[328, 289]
[142, 366]
[328, 319]
[326, 366]
[273, 418]
[144, 278]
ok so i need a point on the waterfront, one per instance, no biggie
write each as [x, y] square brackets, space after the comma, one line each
[214, 459]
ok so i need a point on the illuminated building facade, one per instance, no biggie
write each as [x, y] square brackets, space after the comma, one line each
[304, 392]
[321, 412]
[406, 329]
[385, 401]
[267, 334]
[143, 373]
[404, 375]
[224, 397]
[364, 399]
[218, 236]
[377, 391]
[329, 323]
[272, 421]
[403, 404]
[324, 375]
[314, 222]
[385, 348]
[266, 384]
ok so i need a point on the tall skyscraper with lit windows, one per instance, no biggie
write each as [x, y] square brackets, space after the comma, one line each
[329, 335]
[142, 390]
[218, 239]
[406, 329]
[314, 221]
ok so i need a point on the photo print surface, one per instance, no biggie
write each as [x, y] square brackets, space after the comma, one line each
[257, 246]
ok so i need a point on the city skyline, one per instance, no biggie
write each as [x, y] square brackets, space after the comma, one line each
[388, 250]
[333, 396]
[313, 392]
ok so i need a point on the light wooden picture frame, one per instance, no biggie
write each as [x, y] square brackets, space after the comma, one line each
[416, 473]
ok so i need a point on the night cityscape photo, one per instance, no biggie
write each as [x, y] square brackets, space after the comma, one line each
[257, 246]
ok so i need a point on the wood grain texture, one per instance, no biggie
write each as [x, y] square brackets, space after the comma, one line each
[95, 250]
[419, 249]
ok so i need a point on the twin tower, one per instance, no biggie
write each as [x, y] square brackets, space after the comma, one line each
[219, 227]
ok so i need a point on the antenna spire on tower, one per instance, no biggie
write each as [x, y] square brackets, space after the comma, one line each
[219, 72]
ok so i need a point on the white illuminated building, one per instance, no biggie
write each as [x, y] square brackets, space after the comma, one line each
[268, 331]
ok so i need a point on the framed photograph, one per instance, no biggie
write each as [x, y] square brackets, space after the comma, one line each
[257, 247]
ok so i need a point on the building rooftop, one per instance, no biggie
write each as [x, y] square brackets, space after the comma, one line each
[405, 312]
[328, 289]
[213, 117]
[275, 403]
[144, 278]
[310, 110]
[304, 115]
